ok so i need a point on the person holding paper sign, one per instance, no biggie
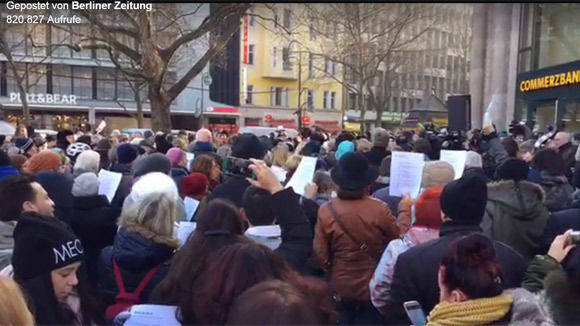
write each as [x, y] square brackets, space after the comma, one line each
[351, 232]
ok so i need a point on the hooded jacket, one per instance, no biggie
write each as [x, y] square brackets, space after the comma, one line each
[558, 191]
[6, 242]
[515, 215]
[135, 256]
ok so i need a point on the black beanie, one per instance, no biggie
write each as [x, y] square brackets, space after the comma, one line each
[42, 245]
[464, 200]
[126, 153]
[155, 162]
[512, 169]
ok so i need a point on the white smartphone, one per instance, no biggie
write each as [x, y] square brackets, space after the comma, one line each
[415, 313]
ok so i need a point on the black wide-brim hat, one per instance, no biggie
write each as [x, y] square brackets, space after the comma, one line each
[353, 172]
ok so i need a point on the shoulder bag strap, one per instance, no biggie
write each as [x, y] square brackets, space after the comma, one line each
[146, 281]
[362, 246]
[118, 277]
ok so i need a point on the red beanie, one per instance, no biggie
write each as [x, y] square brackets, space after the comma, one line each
[194, 185]
[428, 209]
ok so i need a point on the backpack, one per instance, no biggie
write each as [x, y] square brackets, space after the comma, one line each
[125, 300]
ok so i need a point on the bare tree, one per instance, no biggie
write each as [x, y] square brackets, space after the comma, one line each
[369, 41]
[13, 39]
[145, 46]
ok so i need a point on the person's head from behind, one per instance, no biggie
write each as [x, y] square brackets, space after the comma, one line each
[23, 195]
[203, 136]
[252, 263]
[353, 176]
[248, 146]
[380, 138]
[511, 146]
[208, 166]
[292, 163]
[562, 138]
[280, 154]
[526, 150]
[87, 161]
[363, 145]
[437, 174]
[470, 270]
[428, 208]
[463, 201]
[13, 308]
[150, 209]
[423, 146]
[45, 161]
[46, 259]
[273, 303]
[324, 182]
[512, 169]
[256, 205]
[177, 157]
[194, 185]
[86, 185]
[550, 161]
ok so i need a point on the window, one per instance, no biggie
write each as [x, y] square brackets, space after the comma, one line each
[286, 99]
[274, 57]
[105, 84]
[249, 94]
[36, 78]
[286, 65]
[327, 66]
[310, 65]
[124, 89]
[287, 15]
[251, 54]
[83, 82]
[61, 79]
[333, 100]
[310, 100]
[312, 31]
[38, 37]
[278, 96]
[325, 100]
[16, 38]
[251, 18]
[272, 96]
[333, 68]
[81, 32]
[351, 100]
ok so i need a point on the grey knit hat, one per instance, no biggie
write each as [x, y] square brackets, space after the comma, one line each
[86, 185]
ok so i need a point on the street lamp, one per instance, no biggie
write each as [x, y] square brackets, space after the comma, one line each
[299, 53]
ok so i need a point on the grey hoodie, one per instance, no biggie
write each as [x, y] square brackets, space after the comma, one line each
[6, 242]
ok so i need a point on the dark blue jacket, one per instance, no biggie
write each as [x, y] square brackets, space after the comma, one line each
[178, 173]
[135, 256]
[560, 222]
[7, 171]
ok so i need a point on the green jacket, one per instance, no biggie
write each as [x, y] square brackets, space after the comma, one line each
[537, 271]
[515, 215]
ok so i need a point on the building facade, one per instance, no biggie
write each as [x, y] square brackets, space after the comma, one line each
[66, 88]
[525, 64]
[436, 63]
[278, 77]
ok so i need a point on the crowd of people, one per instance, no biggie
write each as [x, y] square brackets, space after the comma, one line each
[493, 246]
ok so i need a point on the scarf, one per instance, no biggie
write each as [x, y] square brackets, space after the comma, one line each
[472, 312]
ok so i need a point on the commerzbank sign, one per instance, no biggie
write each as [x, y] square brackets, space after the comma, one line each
[550, 81]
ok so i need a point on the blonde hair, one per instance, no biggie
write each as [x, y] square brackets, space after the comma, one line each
[151, 209]
[292, 162]
[280, 155]
[363, 145]
[13, 308]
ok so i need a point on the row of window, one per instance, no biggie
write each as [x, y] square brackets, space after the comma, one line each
[279, 97]
[85, 82]
[330, 67]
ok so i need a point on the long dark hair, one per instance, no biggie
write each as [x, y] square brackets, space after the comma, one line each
[46, 309]
[218, 224]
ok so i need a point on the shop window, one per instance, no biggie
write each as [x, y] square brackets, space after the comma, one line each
[83, 82]
[105, 84]
[36, 81]
[61, 79]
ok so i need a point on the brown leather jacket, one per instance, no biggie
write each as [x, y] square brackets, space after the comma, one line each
[371, 223]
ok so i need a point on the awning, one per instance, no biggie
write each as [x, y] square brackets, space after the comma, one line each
[352, 127]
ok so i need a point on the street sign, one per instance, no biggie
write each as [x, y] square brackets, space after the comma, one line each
[207, 79]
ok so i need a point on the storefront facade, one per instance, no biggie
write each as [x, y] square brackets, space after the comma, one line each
[548, 80]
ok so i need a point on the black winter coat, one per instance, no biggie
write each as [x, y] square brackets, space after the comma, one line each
[232, 189]
[416, 270]
[125, 185]
[376, 155]
[95, 223]
[135, 256]
[558, 223]
[178, 173]
[59, 189]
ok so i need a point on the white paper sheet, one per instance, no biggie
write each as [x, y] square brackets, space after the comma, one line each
[152, 315]
[109, 182]
[456, 159]
[191, 205]
[406, 174]
[303, 175]
[189, 157]
[184, 230]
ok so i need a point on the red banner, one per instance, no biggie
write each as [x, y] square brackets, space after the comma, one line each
[245, 39]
